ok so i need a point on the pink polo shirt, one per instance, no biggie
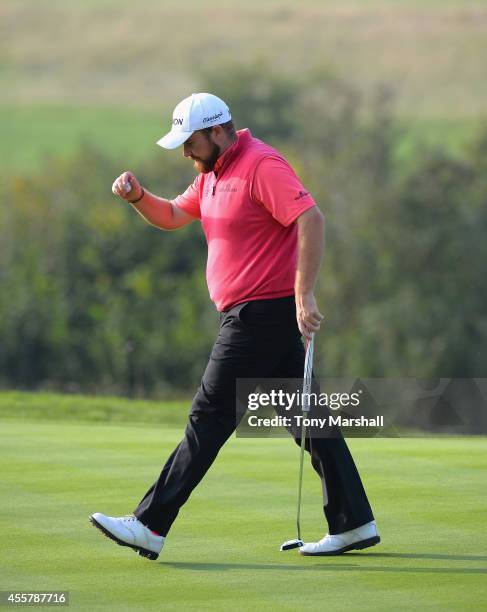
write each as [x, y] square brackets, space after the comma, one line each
[247, 207]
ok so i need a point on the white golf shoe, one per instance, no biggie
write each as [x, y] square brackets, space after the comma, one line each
[129, 531]
[355, 539]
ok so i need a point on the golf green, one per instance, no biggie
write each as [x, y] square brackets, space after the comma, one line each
[429, 498]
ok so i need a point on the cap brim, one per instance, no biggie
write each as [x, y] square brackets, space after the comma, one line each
[173, 139]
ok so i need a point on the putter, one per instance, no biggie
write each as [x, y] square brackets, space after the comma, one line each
[308, 369]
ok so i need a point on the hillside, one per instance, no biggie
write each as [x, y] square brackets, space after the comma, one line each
[150, 53]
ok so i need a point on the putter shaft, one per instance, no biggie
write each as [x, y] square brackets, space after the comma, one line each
[308, 371]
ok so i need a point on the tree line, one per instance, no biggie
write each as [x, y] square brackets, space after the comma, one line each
[93, 299]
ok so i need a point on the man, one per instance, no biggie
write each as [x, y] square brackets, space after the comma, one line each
[265, 243]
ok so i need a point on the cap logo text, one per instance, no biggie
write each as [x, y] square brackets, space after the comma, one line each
[213, 117]
[176, 121]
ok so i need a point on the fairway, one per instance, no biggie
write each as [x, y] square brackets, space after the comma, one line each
[223, 551]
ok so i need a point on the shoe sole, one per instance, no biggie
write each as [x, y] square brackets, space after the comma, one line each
[143, 552]
[367, 543]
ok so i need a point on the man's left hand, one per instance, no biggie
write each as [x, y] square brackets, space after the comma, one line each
[307, 314]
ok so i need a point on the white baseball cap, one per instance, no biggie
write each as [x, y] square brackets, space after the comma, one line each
[198, 111]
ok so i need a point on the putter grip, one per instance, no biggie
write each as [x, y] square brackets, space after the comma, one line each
[308, 372]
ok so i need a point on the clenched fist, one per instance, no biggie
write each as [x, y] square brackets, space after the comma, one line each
[127, 187]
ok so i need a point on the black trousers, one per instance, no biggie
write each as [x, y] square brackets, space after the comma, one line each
[257, 339]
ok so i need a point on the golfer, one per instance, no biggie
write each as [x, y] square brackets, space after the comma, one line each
[265, 245]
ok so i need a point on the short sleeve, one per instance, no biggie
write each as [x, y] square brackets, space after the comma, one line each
[276, 186]
[189, 201]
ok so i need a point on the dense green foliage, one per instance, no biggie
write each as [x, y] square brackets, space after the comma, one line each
[92, 298]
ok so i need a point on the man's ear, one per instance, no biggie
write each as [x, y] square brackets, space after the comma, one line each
[218, 134]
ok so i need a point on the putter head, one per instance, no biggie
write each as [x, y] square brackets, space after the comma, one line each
[290, 544]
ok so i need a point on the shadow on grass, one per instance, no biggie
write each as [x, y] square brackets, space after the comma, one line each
[418, 556]
[325, 565]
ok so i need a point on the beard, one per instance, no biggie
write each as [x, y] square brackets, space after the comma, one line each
[207, 165]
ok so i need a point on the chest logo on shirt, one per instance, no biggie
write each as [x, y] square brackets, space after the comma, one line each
[227, 189]
[211, 190]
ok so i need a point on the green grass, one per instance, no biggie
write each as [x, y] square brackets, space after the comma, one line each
[33, 133]
[56, 407]
[222, 553]
[129, 136]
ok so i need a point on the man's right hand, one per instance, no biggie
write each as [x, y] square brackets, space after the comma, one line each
[157, 211]
[127, 187]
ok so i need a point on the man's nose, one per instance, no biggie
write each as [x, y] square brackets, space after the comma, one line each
[186, 151]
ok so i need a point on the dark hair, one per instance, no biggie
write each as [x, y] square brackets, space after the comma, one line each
[229, 128]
